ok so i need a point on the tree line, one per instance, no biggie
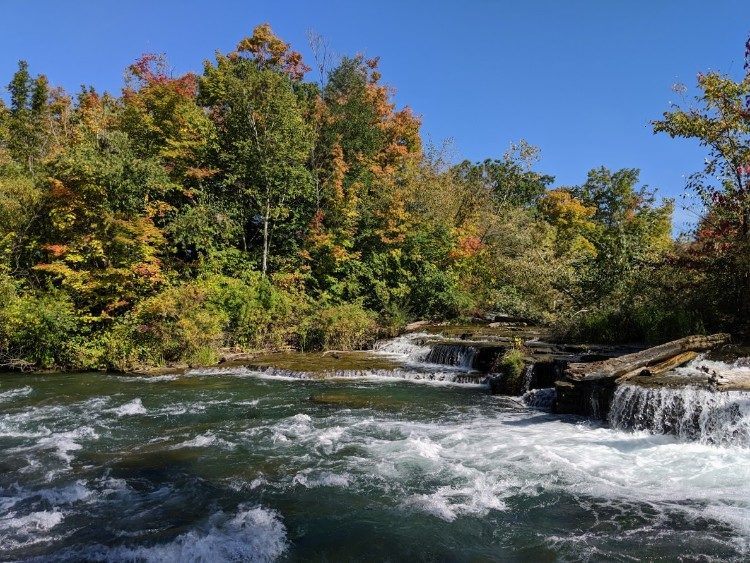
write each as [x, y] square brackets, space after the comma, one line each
[248, 208]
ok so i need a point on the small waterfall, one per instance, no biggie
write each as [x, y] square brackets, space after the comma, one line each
[511, 384]
[540, 398]
[410, 345]
[528, 376]
[456, 355]
[448, 376]
[422, 348]
[713, 417]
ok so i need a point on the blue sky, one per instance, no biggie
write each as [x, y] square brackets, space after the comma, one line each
[580, 79]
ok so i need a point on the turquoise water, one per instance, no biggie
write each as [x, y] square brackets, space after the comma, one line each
[236, 465]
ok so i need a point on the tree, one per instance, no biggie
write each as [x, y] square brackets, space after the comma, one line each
[630, 231]
[29, 107]
[720, 122]
[263, 140]
[572, 220]
[511, 179]
[161, 115]
[367, 152]
[95, 234]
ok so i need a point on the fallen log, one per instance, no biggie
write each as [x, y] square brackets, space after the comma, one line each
[587, 388]
[614, 368]
[663, 367]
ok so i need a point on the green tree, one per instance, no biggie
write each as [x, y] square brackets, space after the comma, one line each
[511, 180]
[631, 229]
[720, 121]
[263, 144]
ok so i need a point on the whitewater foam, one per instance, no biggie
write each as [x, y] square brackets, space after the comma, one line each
[484, 461]
[18, 531]
[701, 366]
[147, 378]
[206, 440]
[408, 346]
[310, 479]
[251, 534]
[134, 407]
[713, 417]
[477, 498]
[16, 393]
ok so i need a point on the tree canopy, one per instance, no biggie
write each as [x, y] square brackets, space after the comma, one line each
[248, 207]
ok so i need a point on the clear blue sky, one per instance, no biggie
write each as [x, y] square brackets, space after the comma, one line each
[580, 79]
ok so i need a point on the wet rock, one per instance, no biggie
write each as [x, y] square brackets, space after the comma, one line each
[589, 398]
[236, 357]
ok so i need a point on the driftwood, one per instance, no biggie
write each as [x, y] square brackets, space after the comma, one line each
[631, 364]
[16, 364]
[660, 368]
[587, 388]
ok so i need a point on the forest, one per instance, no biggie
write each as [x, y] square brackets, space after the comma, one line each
[250, 208]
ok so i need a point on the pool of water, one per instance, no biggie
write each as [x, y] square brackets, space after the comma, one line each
[240, 465]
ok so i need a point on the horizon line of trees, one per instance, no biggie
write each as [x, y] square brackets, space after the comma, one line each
[248, 208]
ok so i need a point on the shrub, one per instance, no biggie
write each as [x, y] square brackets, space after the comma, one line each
[510, 364]
[436, 293]
[260, 315]
[650, 321]
[179, 324]
[341, 327]
[508, 370]
[35, 330]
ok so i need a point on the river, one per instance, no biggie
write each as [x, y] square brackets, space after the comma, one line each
[237, 464]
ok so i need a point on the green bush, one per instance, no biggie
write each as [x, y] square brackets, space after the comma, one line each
[260, 315]
[190, 323]
[179, 324]
[510, 364]
[648, 321]
[340, 327]
[35, 329]
[508, 370]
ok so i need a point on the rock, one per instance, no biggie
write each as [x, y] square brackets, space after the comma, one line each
[236, 357]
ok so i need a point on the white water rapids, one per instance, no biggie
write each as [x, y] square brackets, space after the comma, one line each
[240, 464]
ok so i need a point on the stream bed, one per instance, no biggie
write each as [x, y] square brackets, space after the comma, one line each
[239, 464]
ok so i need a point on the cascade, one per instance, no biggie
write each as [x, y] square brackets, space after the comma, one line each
[689, 412]
[540, 398]
[456, 355]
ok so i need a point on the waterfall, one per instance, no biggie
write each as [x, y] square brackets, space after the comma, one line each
[448, 376]
[540, 398]
[418, 349]
[409, 345]
[405, 374]
[457, 355]
[528, 376]
[712, 417]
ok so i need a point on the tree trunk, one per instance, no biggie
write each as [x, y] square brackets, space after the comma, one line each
[265, 238]
[662, 367]
[614, 368]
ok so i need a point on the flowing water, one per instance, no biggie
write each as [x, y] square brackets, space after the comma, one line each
[688, 412]
[237, 464]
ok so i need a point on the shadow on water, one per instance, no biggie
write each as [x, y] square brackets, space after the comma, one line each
[151, 498]
[542, 418]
